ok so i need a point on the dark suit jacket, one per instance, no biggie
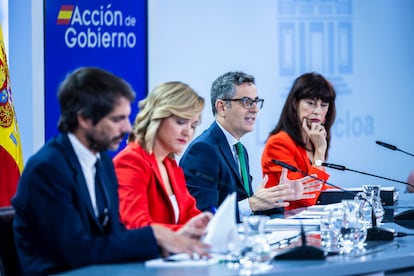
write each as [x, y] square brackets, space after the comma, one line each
[210, 169]
[55, 227]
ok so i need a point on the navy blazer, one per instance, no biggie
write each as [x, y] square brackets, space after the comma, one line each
[55, 227]
[211, 171]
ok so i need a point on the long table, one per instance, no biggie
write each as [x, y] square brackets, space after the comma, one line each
[390, 258]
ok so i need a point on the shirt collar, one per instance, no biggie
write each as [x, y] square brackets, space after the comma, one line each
[231, 140]
[84, 155]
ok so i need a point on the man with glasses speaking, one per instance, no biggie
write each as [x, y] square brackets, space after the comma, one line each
[216, 163]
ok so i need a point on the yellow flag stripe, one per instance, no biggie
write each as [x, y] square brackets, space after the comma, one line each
[9, 133]
[65, 14]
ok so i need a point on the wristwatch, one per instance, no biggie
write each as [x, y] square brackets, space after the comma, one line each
[318, 162]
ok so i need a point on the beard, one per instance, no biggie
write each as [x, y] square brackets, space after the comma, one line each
[103, 143]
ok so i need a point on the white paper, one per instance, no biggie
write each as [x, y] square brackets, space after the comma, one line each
[293, 222]
[221, 224]
[183, 260]
[327, 207]
[278, 236]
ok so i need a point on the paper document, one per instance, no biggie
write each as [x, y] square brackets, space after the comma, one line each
[279, 236]
[327, 207]
[182, 260]
[221, 224]
[316, 211]
[293, 222]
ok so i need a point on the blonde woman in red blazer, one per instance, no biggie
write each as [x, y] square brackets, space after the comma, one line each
[301, 138]
[152, 187]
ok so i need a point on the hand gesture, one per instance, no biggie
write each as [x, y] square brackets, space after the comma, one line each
[302, 187]
[268, 198]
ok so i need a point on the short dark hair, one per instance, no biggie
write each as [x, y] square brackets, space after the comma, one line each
[93, 93]
[224, 87]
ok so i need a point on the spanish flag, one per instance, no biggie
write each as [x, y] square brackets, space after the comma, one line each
[11, 157]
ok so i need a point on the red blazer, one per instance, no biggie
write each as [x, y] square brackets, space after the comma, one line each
[281, 147]
[143, 199]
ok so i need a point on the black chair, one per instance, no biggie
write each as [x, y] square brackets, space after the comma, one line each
[9, 262]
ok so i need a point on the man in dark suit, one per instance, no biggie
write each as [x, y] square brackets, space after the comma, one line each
[210, 163]
[66, 209]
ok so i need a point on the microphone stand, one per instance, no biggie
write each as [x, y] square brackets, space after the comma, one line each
[374, 233]
[303, 252]
[343, 168]
[213, 179]
[392, 147]
[405, 218]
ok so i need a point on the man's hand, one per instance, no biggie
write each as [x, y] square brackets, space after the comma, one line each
[172, 242]
[268, 198]
[196, 227]
[302, 187]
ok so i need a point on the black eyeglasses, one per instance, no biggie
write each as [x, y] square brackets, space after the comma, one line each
[247, 102]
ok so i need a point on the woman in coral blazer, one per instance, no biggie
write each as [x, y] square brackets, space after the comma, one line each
[144, 198]
[152, 187]
[301, 138]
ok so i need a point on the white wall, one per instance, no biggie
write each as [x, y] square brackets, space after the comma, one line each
[370, 61]
[196, 41]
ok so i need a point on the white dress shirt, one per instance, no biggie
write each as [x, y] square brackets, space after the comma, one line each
[244, 206]
[87, 161]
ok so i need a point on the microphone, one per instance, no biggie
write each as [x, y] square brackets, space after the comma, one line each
[392, 147]
[294, 169]
[405, 218]
[374, 233]
[343, 168]
[210, 178]
[303, 252]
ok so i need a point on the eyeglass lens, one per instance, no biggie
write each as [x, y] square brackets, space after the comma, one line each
[248, 102]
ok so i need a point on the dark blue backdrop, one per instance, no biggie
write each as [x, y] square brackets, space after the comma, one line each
[111, 35]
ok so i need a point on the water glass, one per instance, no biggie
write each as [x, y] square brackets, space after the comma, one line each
[353, 231]
[236, 243]
[257, 250]
[330, 228]
[374, 198]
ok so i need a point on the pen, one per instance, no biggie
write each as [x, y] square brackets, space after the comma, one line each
[213, 210]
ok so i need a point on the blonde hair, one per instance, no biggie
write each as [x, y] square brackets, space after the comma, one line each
[167, 99]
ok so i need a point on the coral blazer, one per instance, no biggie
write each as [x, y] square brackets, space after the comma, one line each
[143, 198]
[281, 147]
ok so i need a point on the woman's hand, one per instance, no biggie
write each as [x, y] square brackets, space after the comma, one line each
[317, 136]
[196, 227]
[173, 242]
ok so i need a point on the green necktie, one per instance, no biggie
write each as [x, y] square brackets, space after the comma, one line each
[243, 168]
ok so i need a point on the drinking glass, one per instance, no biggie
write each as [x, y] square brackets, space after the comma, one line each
[353, 231]
[257, 250]
[236, 244]
[330, 227]
[370, 206]
[373, 197]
